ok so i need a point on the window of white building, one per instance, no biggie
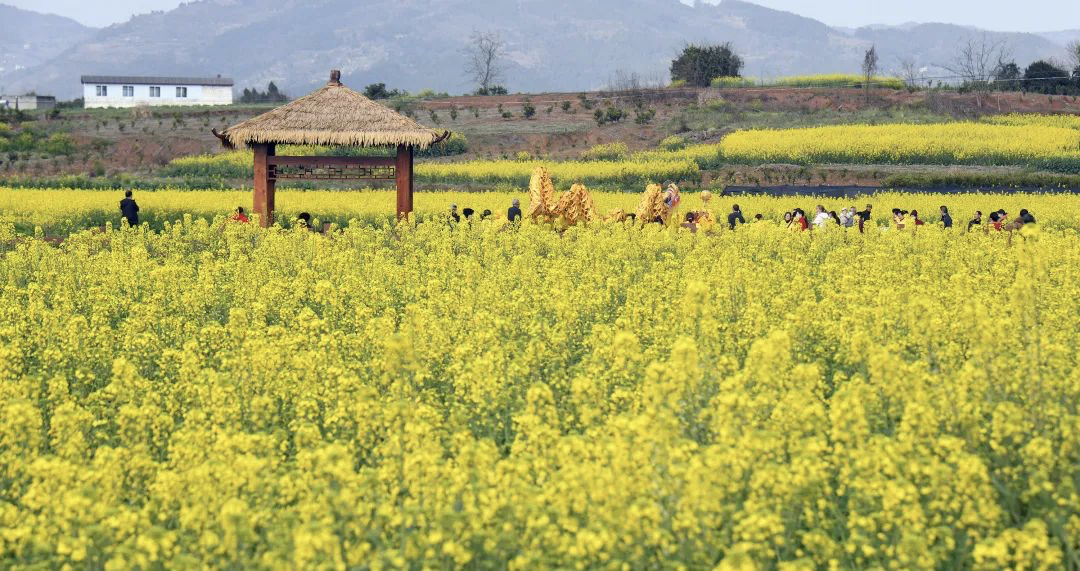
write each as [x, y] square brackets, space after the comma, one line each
[155, 91]
[102, 91]
[129, 91]
[181, 92]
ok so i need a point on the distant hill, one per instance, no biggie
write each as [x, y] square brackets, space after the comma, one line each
[1063, 37]
[28, 39]
[553, 45]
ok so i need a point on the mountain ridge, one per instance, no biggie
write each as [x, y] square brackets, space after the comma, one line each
[552, 45]
[29, 38]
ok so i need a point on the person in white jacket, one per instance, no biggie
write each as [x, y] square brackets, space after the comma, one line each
[821, 219]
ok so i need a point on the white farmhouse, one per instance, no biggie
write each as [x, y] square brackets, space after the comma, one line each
[130, 91]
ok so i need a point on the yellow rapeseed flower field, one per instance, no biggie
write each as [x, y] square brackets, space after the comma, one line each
[207, 394]
[60, 212]
[1054, 147]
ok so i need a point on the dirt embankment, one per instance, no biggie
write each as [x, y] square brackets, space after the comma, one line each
[562, 125]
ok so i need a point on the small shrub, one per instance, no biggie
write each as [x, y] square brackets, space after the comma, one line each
[522, 156]
[528, 110]
[600, 116]
[58, 144]
[718, 104]
[455, 144]
[644, 116]
[614, 114]
[565, 106]
[673, 143]
[507, 115]
[453, 113]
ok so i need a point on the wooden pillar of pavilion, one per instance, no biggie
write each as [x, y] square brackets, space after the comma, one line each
[403, 175]
[263, 196]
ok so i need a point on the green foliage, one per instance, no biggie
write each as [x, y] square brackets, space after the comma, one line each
[379, 91]
[614, 114]
[528, 109]
[697, 65]
[271, 95]
[455, 144]
[644, 116]
[58, 144]
[565, 106]
[493, 90]
[1045, 77]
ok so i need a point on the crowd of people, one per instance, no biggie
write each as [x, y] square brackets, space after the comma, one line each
[795, 220]
[852, 217]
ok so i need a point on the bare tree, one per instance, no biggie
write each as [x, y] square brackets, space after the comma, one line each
[869, 68]
[623, 80]
[910, 72]
[976, 62]
[483, 60]
[1074, 54]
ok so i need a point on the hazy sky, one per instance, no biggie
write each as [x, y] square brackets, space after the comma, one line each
[1007, 15]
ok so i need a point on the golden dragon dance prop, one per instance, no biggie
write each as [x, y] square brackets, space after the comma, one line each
[541, 195]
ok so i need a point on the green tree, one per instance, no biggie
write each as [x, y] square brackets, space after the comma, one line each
[1045, 77]
[1007, 76]
[697, 65]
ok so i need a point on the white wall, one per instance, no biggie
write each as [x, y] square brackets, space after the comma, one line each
[196, 95]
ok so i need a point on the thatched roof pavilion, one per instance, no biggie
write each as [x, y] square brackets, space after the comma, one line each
[333, 115]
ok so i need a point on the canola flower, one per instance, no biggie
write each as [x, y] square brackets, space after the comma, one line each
[1050, 147]
[1024, 119]
[494, 396]
[638, 170]
[1039, 141]
[60, 212]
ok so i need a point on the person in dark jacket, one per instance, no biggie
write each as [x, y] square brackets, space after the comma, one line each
[1027, 217]
[129, 209]
[864, 217]
[946, 219]
[976, 221]
[735, 217]
[513, 213]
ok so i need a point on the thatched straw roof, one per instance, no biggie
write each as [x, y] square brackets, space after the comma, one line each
[332, 115]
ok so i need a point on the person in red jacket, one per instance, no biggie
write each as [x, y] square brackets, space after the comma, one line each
[240, 216]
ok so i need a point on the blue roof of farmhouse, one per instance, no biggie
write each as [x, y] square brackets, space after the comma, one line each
[158, 80]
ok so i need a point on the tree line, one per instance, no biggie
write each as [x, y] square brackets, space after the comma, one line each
[980, 64]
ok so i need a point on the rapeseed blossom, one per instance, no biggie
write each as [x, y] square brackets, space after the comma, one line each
[215, 394]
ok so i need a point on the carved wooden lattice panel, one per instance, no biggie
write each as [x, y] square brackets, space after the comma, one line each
[317, 171]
